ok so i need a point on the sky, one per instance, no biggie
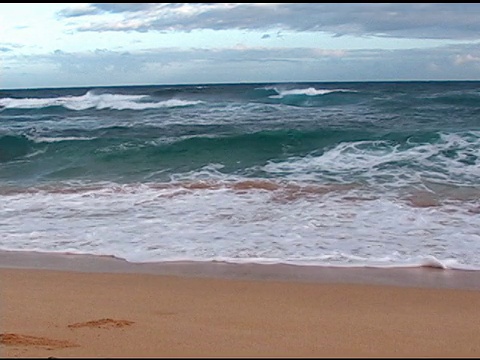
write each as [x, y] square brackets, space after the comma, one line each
[117, 44]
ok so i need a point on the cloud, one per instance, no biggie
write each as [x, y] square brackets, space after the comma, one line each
[78, 10]
[7, 47]
[467, 58]
[134, 61]
[170, 65]
[103, 67]
[402, 20]
[129, 7]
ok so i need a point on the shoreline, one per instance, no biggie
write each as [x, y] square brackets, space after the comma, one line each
[425, 276]
[59, 305]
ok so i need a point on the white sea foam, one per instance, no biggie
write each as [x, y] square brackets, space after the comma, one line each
[98, 101]
[310, 91]
[241, 222]
[372, 161]
[42, 139]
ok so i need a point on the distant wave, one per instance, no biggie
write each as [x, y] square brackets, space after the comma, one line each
[91, 100]
[307, 96]
[45, 139]
[310, 91]
[467, 99]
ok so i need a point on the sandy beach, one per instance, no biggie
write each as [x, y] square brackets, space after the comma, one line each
[81, 306]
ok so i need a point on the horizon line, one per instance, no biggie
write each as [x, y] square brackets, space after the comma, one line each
[230, 83]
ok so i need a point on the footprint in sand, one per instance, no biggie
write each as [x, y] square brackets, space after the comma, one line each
[102, 324]
[28, 340]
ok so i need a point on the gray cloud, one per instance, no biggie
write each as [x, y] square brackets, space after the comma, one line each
[7, 47]
[176, 66]
[128, 7]
[78, 11]
[403, 20]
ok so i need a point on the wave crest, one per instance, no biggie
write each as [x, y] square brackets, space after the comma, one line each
[310, 91]
[92, 100]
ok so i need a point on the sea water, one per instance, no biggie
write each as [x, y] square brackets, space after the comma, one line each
[380, 174]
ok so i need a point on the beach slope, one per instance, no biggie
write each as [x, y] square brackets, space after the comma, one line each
[64, 313]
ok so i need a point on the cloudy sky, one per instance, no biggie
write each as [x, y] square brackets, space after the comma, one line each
[91, 44]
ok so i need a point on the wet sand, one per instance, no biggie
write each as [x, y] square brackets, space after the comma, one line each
[84, 306]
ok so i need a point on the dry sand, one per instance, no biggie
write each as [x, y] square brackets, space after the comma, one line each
[74, 306]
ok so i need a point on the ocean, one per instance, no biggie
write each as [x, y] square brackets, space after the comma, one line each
[369, 174]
